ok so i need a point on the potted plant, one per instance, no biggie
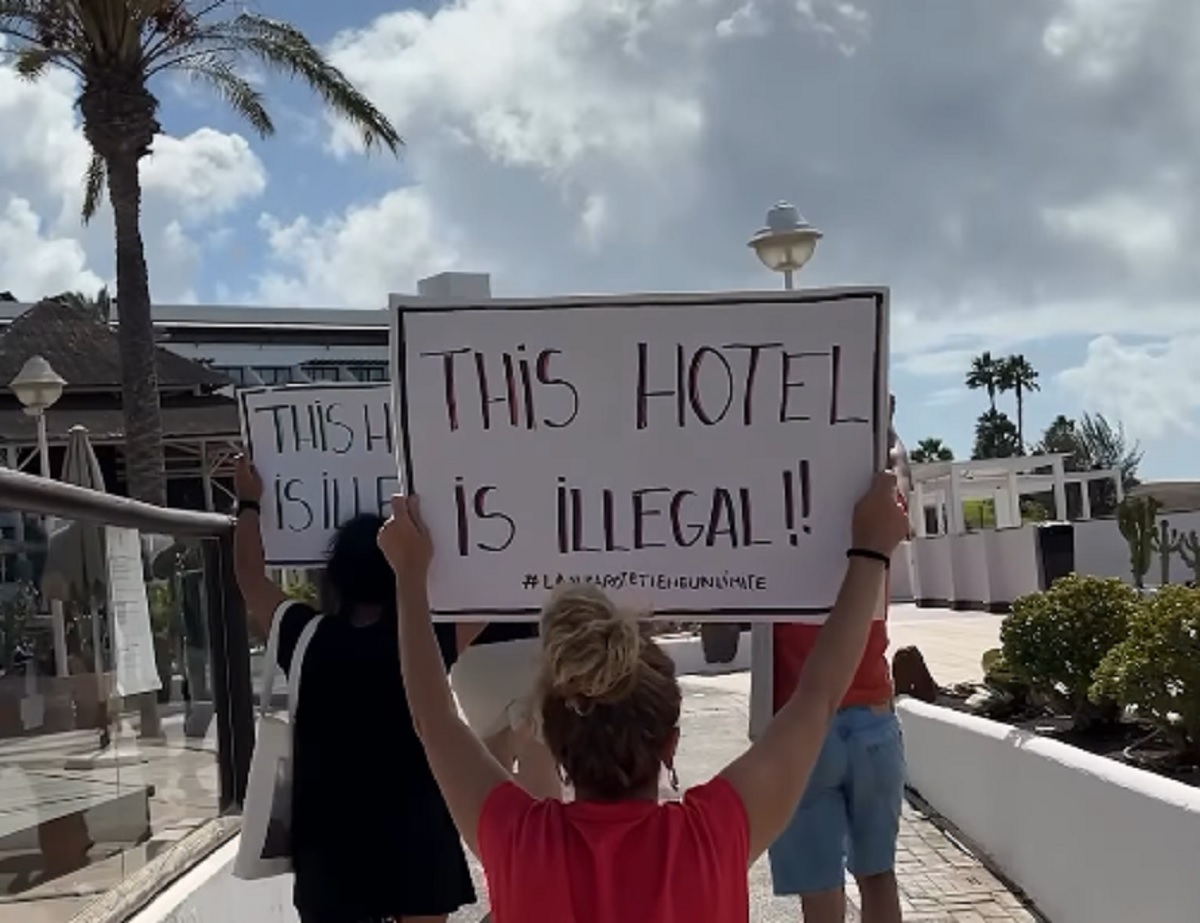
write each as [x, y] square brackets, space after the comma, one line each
[719, 641]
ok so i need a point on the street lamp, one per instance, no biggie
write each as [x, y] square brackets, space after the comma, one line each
[786, 243]
[37, 386]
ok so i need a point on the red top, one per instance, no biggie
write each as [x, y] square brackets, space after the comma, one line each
[872, 684]
[618, 862]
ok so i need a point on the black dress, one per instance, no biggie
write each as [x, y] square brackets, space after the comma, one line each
[372, 837]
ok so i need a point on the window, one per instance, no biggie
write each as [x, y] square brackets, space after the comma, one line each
[235, 372]
[274, 374]
[323, 373]
[369, 371]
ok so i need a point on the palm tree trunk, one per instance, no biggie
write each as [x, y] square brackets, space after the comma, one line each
[144, 461]
[1020, 421]
[145, 465]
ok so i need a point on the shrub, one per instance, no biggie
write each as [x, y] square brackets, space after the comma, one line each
[1156, 669]
[1055, 640]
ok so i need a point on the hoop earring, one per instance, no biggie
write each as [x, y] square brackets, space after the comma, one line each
[673, 778]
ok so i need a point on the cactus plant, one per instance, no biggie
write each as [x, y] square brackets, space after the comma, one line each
[1137, 518]
[1188, 547]
[1166, 543]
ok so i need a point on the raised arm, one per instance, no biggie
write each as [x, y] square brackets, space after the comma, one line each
[260, 594]
[772, 774]
[465, 771]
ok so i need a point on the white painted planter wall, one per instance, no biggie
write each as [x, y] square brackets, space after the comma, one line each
[935, 570]
[210, 894]
[902, 582]
[969, 571]
[1089, 840]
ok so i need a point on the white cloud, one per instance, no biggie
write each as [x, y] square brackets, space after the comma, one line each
[206, 173]
[1154, 388]
[46, 250]
[31, 262]
[1138, 231]
[359, 258]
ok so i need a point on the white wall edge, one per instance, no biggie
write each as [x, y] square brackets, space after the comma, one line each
[1088, 839]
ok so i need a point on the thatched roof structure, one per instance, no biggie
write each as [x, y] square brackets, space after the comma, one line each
[83, 349]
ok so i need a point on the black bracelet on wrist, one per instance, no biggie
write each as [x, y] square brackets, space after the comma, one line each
[244, 505]
[870, 555]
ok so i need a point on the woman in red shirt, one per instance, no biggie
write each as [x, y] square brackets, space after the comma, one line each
[610, 708]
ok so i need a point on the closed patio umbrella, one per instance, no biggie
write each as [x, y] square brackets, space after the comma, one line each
[75, 568]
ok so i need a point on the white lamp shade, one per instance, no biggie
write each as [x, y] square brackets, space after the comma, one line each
[786, 252]
[37, 385]
[787, 241]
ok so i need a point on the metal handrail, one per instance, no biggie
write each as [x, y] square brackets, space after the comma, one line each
[28, 493]
[232, 693]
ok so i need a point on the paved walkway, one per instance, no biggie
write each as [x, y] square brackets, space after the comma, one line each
[940, 881]
[952, 642]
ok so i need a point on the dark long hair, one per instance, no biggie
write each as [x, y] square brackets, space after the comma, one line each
[356, 572]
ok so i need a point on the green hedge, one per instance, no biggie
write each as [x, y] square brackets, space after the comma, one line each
[1056, 640]
[1155, 670]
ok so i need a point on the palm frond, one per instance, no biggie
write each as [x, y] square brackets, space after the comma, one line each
[93, 187]
[31, 63]
[285, 49]
[238, 93]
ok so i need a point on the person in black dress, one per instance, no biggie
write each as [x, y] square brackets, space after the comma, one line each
[372, 840]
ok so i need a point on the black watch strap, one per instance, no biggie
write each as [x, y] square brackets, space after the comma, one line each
[244, 505]
[869, 555]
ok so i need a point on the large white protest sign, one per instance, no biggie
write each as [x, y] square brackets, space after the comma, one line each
[697, 454]
[326, 453]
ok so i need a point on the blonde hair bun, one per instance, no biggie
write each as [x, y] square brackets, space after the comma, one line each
[590, 648]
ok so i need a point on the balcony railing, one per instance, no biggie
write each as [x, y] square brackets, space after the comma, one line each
[126, 717]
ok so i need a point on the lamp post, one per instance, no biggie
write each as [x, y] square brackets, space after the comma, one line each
[38, 387]
[786, 243]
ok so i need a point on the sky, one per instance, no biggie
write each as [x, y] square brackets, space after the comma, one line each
[1021, 174]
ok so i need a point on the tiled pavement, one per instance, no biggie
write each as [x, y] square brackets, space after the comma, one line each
[939, 880]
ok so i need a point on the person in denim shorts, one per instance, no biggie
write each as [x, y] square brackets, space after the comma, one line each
[849, 816]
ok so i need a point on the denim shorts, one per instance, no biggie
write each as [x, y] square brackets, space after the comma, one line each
[849, 816]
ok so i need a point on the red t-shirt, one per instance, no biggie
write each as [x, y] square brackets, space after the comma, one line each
[621, 862]
[872, 684]
[792, 643]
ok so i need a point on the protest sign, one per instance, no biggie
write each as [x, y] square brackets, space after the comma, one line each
[696, 454]
[326, 453]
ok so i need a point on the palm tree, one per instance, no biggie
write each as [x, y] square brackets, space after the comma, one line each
[985, 374]
[931, 449]
[101, 304]
[995, 436]
[1017, 375]
[115, 48]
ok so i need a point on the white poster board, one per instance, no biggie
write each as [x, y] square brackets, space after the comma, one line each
[129, 611]
[326, 453]
[694, 454]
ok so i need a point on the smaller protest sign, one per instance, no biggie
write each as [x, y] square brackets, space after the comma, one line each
[326, 453]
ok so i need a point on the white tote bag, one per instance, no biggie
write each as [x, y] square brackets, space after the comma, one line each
[265, 849]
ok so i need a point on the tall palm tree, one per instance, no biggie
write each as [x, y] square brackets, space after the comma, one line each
[101, 304]
[985, 374]
[116, 48]
[931, 449]
[1017, 375]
